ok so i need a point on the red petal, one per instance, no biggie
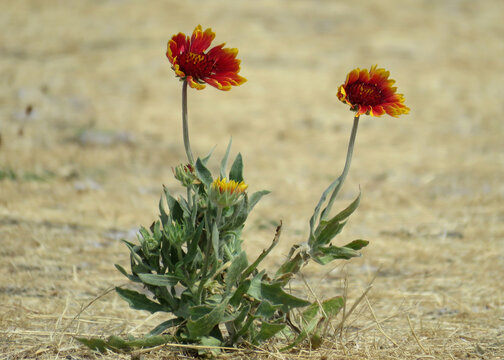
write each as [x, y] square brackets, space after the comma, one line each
[200, 41]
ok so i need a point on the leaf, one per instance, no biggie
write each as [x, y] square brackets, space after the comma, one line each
[276, 295]
[162, 213]
[206, 158]
[176, 212]
[264, 253]
[311, 319]
[316, 211]
[123, 271]
[357, 244]
[165, 325]
[333, 306]
[255, 197]
[159, 280]
[267, 331]
[333, 225]
[254, 289]
[225, 160]
[193, 246]
[204, 325]
[234, 272]
[328, 233]
[139, 301]
[203, 173]
[236, 172]
[95, 344]
[325, 255]
[266, 309]
[215, 241]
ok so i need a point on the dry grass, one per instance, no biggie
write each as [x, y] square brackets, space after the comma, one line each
[84, 168]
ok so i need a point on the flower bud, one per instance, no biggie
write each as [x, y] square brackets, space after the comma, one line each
[226, 193]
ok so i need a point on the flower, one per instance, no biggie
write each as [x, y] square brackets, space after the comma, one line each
[185, 174]
[372, 93]
[218, 67]
[226, 193]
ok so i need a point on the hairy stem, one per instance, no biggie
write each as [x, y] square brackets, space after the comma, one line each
[344, 174]
[185, 125]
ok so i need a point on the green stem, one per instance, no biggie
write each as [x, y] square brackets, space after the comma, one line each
[344, 174]
[185, 125]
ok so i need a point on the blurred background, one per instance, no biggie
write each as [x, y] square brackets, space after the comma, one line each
[90, 128]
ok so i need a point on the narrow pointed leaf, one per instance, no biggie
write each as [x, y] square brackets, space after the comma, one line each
[236, 172]
[255, 197]
[357, 244]
[224, 161]
[203, 173]
[204, 325]
[165, 325]
[276, 295]
[139, 301]
[206, 158]
[267, 331]
[234, 272]
[159, 280]
[316, 211]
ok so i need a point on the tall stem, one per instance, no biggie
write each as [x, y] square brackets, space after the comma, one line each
[344, 174]
[185, 125]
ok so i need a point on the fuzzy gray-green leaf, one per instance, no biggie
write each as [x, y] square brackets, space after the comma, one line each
[236, 172]
[139, 301]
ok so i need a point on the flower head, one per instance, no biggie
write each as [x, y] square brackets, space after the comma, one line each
[218, 67]
[372, 93]
[185, 174]
[226, 193]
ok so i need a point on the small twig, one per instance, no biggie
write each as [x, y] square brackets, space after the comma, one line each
[414, 335]
[89, 304]
[378, 323]
[357, 302]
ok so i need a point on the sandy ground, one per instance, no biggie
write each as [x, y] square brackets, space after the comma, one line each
[90, 128]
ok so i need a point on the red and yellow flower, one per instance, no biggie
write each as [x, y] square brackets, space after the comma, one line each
[225, 192]
[218, 67]
[371, 92]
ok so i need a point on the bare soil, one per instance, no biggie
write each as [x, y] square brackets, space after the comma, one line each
[90, 129]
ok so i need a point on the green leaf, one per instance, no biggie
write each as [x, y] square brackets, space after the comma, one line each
[266, 309]
[333, 225]
[206, 158]
[165, 325]
[290, 267]
[94, 344]
[267, 331]
[123, 271]
[333, 306]
[255, 197]
[162, 213]
[330, 230]
[239, 264]
[254, 289]
[357, 244]
[204, 325]
[193, 246]
[203, 173]
[215, 240]
[325, 255]
[236, 172]
[139, 301]
[316, 211]
[277, 296]
[159, 280]
[225, 160]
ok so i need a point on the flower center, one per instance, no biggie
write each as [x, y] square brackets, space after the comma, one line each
[364, 94]
[196, 65]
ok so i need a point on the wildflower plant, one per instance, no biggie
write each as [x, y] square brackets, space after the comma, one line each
[190, 263]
